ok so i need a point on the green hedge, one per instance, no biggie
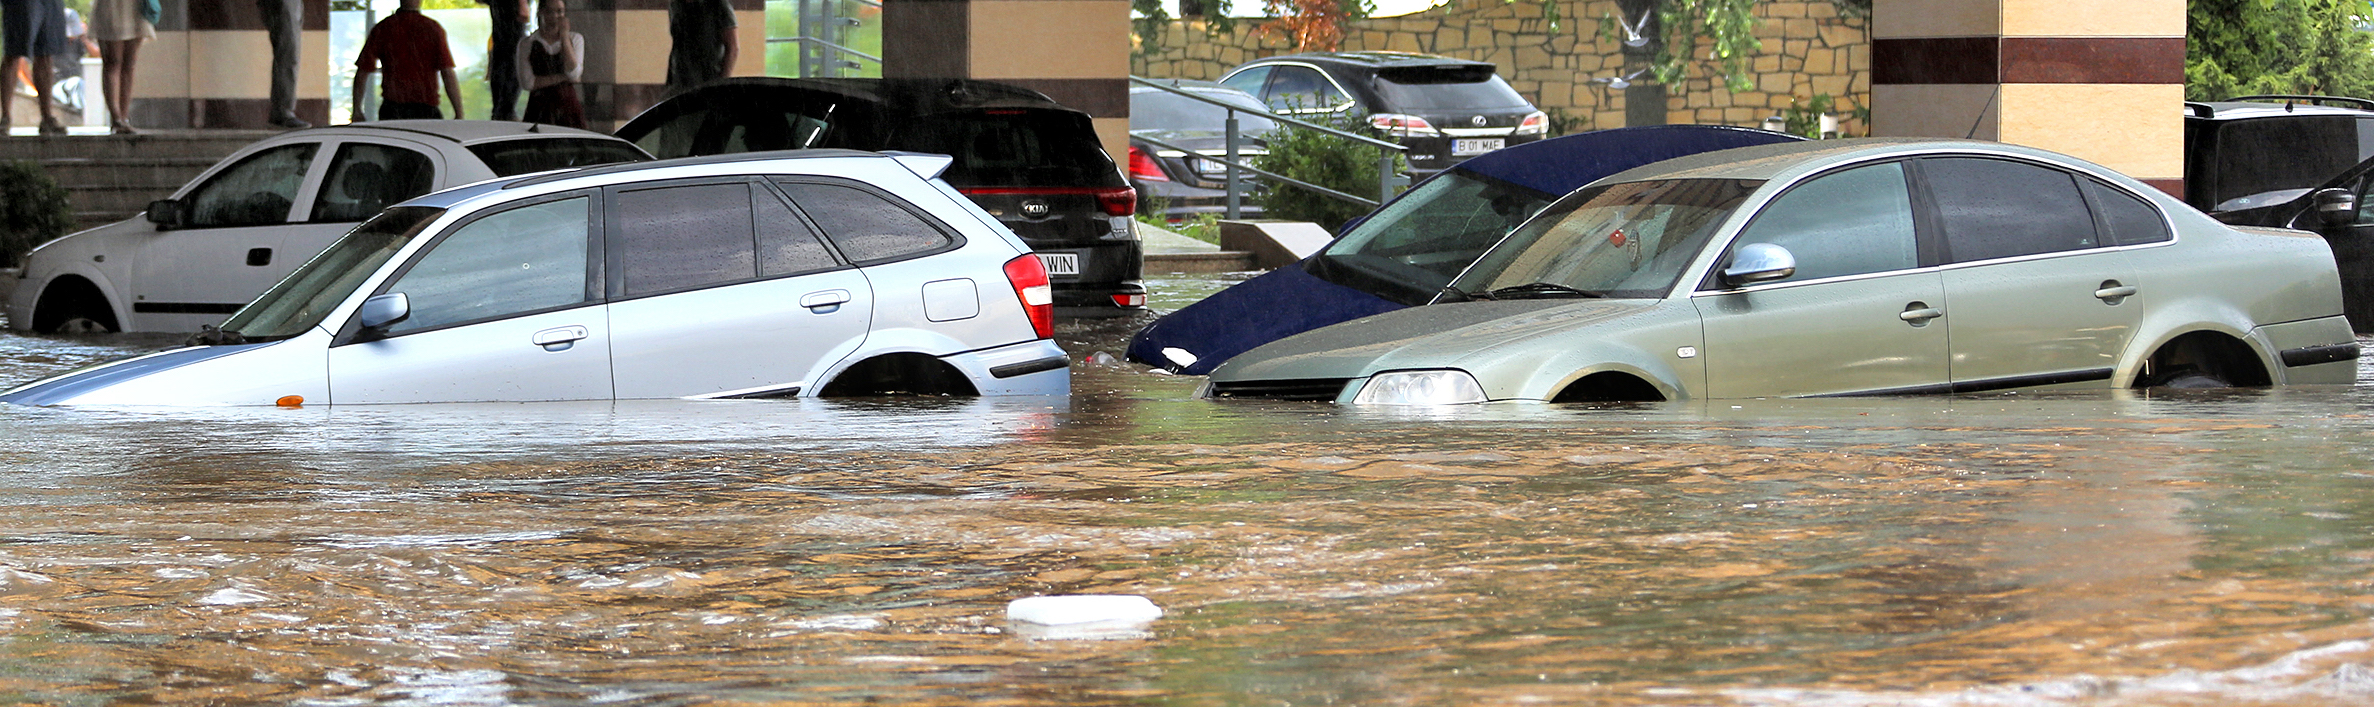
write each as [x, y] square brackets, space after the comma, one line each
[33, 210]
[1325, 160]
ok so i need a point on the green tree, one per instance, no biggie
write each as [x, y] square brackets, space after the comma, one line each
[33, 210]
[2243, 47]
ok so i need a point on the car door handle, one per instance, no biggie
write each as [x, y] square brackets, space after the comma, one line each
[1919, 313]
[825, 302]
[559, 338]
[2112, 292]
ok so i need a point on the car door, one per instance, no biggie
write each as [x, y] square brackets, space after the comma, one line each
[235, 221]
[362, 178]
[718, 289]
[2036, 298]
[1860, 314]
[504, 307]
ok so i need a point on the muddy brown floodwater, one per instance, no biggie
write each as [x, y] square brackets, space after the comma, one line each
[2027, 549]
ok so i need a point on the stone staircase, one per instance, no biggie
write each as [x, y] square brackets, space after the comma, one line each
[110, 178]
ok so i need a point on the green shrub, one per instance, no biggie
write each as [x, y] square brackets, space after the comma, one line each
[33, 210]
[1326, 160]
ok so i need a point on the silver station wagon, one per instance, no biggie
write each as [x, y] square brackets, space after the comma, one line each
[1843, 267]
[822, 272]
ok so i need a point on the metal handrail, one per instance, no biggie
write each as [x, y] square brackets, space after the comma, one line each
[825, 44]
[1386, 179]
[1259, 172]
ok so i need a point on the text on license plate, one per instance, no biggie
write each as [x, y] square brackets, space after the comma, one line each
[1477, 146]
[1061, 263]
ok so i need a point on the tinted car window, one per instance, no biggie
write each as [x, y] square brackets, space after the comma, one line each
[513, 262]
[512, 157]
[257, 191]
[1159, 110]
[1845, 223]
[1440, 88]
[1250, 80]
[865, 226]
[1013, 147]
[2132, 221]
[1423, 239]
[2314, 149]
[676, 137]
[2001, 209]
[1299, 88]
[365, 178]
[785, 245]
[676, 238]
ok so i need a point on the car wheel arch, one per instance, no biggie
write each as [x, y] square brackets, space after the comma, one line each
[1613, 382]
[2231, 357]
[70, 293]
[898, 373]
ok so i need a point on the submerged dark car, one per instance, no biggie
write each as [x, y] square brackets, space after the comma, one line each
[2258, 151]
[1444, 110]
[1035, 165]
[1182, 182]
[1405, 252]
[2338, 210]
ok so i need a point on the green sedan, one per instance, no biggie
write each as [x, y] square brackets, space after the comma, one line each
[1842, 267]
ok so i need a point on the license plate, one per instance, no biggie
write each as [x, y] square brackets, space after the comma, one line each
[1210, 168]
[1477, 146]
[1060, 263]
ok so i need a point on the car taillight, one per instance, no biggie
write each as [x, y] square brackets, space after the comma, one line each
[1537, 123]
[1129, 300]
[1029, 278]
[1398, 125]
[1118, 202]
[1142, 166]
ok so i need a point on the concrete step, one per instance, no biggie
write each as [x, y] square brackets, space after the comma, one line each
[164, 172]
[1205, 262]
[210, 144]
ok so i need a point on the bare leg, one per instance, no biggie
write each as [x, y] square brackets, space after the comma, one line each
[44, 74]
[115, 72]
[8, 93]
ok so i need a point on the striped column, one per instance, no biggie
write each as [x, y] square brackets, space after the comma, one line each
[2102, 80]
[626, 54]
[1075, 51]
[210, 67]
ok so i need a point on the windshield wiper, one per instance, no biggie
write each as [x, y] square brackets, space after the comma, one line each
[1463, 295]
[1542, 290]
[208, 335]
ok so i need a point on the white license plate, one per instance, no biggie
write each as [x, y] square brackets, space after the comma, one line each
[1477, 146]
[1060, 263]
[1211, 168]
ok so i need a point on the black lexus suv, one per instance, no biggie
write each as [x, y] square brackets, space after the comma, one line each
[1032, 163]
[1444, 110]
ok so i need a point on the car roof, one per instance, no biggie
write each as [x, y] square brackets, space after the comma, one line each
[466, 132]
[1377, 59]
[1187, 85]
[2273, 106]
[1776, 161]
[907, 96]
[450, 197]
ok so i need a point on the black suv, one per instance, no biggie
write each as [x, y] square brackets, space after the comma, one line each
[1444, 109]
[1032, 163]
[2258, 151]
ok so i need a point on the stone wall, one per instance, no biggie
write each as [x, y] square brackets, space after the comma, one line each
[1809, 49]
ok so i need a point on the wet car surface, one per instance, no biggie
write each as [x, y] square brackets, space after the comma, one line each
[2107, 548]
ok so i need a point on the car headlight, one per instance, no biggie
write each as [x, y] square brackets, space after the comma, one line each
[1435, 387]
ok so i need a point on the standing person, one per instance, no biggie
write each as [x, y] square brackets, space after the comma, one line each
[703, 48]
[120, 26]
[282, 20]
[412, 47]
[509, 19]
[549, 62]
[68, 65]
[36, 33]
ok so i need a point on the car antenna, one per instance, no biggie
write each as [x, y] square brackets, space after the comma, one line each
[532, 127]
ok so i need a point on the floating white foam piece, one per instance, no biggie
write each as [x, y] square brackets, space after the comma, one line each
[1083, 616]
[1179, 356]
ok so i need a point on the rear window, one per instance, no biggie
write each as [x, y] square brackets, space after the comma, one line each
[1159, 110]
[1435, 88]
[513, 157]
[2314, 149]
[1012, 147]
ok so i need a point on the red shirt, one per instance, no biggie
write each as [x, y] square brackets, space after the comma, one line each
[412, 47]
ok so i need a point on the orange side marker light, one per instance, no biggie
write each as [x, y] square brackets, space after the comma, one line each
[290, 401]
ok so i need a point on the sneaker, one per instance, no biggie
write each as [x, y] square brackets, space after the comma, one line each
[291, 122]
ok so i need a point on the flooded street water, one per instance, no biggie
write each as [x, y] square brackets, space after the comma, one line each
[2026, 549]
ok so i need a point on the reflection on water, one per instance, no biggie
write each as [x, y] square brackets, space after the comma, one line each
[2075, 548]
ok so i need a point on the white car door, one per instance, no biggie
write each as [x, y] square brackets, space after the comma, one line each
[503, 307]
[363, 176]
[718, 289]
[236, 223]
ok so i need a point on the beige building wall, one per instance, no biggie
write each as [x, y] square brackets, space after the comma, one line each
[1075, 51]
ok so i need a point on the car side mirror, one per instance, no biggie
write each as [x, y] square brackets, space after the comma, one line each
[382, 311]
[1759, 262]
[167, 214]
[2335, 207]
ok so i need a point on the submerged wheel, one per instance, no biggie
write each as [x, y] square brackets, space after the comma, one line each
[72, 305]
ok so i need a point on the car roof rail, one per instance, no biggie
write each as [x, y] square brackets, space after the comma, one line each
[2342, 101]
[2200, 110]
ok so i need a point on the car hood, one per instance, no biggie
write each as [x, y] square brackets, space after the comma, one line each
[1432, 336]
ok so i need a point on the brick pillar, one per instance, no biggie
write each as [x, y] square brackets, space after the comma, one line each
[1075, 51]
[210, 67]
[2100, 80]
[626, 54]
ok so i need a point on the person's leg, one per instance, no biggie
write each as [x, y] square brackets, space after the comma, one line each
[111, 79]
[130, 56]
[44, 74]
[502, 71]
[281, 22]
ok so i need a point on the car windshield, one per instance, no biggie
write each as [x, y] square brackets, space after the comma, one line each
[1413, 246]
[515, 157]
[1446, 88]
[1629, 240]
[306, 297]
[1153, 109]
